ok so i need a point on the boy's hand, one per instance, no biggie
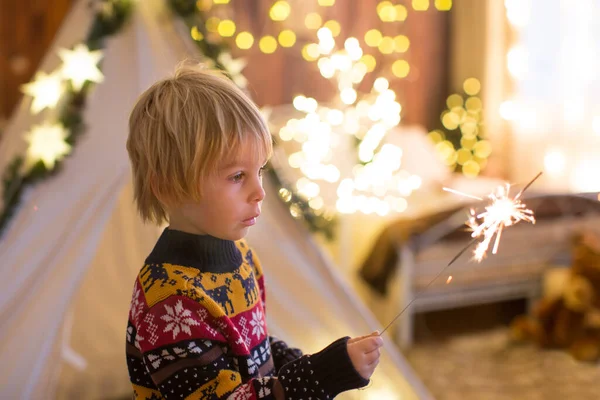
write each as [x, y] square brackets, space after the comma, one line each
[364, 353]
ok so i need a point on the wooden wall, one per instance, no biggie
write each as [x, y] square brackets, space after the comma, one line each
[27, 28]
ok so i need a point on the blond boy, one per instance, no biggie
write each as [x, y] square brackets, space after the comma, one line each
[197, 327]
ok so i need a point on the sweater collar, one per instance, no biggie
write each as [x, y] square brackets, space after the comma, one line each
[205, 252]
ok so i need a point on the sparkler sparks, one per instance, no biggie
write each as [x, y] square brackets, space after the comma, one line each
[501, 213]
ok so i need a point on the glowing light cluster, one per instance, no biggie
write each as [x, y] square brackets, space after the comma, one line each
[461, 144]
[375, 185]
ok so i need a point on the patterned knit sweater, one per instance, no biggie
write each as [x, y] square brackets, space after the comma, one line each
[197, 330]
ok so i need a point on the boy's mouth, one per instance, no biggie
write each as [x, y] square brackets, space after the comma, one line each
[251, 221]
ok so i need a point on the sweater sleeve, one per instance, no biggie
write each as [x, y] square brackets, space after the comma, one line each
[282, 354]
[187, 358]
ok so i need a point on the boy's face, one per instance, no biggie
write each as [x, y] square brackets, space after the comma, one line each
[231, 201]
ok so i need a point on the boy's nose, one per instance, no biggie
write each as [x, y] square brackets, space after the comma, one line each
[259, 193]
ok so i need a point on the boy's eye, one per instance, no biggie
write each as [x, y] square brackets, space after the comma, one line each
[237, 177]
[240, 175]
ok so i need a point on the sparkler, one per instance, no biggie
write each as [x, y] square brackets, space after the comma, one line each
[501, 213]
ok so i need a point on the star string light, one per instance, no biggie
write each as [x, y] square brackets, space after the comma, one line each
[47, 143]
[46, 90]
[81, 65]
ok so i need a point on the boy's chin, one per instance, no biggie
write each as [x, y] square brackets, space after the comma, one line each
[238, 234]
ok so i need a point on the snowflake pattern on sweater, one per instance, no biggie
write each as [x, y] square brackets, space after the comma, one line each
[194, 334]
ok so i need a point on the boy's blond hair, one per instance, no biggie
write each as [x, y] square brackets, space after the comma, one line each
[181, 128]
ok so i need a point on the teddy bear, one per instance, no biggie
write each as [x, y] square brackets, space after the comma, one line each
[571, 319]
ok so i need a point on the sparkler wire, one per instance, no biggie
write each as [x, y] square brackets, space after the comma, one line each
[429, 284]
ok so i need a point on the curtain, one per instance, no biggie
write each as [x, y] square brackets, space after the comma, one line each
[554, 109]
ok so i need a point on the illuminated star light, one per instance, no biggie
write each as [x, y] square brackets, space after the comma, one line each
[47, 143]
[45, 89]
[80, 65]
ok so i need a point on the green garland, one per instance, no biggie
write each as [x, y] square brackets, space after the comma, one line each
[15, 180]
[298, 205]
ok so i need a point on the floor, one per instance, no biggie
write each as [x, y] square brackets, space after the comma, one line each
[466, 354]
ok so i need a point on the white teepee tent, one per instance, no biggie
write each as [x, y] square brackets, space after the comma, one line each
[71, 253]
